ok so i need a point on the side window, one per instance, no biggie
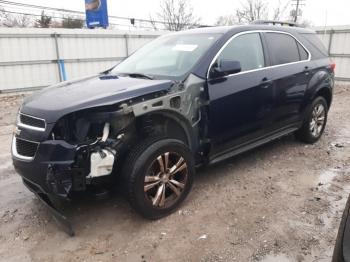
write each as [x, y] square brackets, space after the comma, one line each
[247, 49]
[283, 48]
[317, 44]
[302, 52]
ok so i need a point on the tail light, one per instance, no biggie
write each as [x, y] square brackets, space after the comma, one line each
[332, 66]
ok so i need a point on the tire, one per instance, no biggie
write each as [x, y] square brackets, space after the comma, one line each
[150, 189]
[338, 253]
[312, 130]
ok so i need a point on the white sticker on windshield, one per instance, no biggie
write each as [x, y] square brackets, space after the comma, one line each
[185, 48]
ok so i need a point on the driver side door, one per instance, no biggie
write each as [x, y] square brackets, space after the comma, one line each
[241, 104]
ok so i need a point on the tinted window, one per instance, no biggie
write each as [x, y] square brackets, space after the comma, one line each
[302, 52]
[247, 49]
[316, 43]
[283, 48]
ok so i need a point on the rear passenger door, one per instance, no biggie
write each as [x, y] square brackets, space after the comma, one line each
[290, 72]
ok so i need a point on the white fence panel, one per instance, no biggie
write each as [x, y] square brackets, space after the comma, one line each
[29, 58]
[33, 58]
[337, 41]
[78, 69]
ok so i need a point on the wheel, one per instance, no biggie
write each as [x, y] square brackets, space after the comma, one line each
[315, 122]
[158, 175]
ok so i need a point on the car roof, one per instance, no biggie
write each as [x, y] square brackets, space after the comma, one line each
[242, 28]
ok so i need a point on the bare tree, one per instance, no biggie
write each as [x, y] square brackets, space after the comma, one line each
[227, 20]
[279, 11]
[252, 10]
[14, 20]
[153, 23]
[72, 22]
[177, 15]
[44, 21]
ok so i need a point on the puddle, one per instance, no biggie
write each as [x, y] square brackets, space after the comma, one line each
[337, 199]
[277, 258]
[327, 177]
[344, 133]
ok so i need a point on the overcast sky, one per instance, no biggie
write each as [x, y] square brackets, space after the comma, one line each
[318, 12]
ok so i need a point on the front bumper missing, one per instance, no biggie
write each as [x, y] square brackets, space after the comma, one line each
[57, 214]
[53, 174]
[57, 171]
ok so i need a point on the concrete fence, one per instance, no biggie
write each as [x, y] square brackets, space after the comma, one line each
[337, 41]
[34, 58]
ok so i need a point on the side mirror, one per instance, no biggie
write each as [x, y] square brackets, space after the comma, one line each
[226, 67]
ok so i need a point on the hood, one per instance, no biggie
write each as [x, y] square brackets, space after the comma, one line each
[56, 101]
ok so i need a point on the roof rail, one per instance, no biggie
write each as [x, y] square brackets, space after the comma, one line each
[274, 22]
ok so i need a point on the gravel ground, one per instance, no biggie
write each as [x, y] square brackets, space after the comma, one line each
[280, 202]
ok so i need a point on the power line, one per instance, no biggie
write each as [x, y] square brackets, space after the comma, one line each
[40, 7]
[64, 18]
[79, 12]
[16, 5]
[37, 15]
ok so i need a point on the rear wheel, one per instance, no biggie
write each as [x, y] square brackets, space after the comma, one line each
[159, 175]
[315, 122]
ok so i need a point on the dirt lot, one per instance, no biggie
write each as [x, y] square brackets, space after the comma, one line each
[280, 202]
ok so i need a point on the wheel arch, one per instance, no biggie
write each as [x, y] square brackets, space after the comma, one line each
[325, 92]
[320, 84]
[170, 124]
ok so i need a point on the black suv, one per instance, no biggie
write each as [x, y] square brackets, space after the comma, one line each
[186, 99]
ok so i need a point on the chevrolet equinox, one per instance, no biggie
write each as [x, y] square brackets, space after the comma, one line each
[184, 100]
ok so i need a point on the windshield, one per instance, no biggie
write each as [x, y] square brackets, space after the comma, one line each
[170, 55]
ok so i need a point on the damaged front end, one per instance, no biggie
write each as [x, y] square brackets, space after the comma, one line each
[86, 147]
[75, 153]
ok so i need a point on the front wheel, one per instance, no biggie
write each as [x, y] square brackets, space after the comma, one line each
[159, 175]
[315, 122]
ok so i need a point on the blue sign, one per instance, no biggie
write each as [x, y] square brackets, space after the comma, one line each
[96, 13]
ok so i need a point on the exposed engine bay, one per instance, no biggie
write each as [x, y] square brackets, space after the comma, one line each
[99, 138]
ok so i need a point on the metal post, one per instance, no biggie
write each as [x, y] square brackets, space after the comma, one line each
[331, 33]
[126, 37]
[55, 35]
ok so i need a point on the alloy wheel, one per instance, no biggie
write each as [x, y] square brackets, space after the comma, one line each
[165, 179]
[317, 120]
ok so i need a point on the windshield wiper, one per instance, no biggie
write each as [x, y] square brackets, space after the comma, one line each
[140, 75]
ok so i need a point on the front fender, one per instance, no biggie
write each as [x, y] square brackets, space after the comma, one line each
[181, 121]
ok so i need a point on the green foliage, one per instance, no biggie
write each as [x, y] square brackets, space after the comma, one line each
[44, 21]
[72, 22]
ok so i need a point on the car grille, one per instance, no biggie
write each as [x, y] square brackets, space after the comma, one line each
[26, 148]
[32, 121]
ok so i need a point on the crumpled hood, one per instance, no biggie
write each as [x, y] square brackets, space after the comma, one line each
[58, 100]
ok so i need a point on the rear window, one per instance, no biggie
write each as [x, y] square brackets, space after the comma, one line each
[316, 43]
[283, 48]
[302, 52]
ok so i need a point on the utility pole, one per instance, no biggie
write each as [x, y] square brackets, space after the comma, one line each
[296, 11]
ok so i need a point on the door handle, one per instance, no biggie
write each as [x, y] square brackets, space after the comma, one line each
[265, 82]
[306, 70]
